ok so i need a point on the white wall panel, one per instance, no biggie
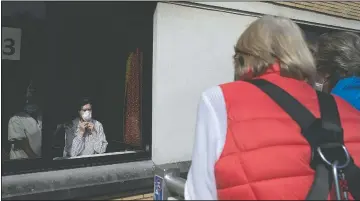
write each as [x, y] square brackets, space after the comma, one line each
[193, 50]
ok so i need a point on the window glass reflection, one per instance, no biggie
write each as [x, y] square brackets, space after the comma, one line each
[22, 64]
[25, 128]
[71, 50]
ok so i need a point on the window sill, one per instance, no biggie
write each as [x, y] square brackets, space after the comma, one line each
[97, 155]
[79, 182]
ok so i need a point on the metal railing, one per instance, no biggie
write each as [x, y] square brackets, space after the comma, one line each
[168, 185]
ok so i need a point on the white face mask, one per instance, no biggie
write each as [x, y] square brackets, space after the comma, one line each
[319, 82]
[319, 86]
[87, 116]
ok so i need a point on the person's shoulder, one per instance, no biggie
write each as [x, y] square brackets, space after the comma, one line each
[234, 84]
[213, 97]
[346, 109]
[14, 119]
[211, 92]
[18, 117]
[96, 122]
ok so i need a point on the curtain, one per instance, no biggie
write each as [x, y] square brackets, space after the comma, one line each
[132, 127]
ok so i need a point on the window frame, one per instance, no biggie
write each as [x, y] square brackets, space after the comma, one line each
[46, 163]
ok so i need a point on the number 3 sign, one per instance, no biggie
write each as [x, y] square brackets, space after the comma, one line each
[10, 43]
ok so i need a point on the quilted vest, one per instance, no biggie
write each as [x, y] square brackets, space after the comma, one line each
[265, 157]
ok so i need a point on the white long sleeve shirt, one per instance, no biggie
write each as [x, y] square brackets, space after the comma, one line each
[211, 126]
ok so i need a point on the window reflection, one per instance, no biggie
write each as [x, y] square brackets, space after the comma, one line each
[22, 89]
[25, 128]
[71, 50]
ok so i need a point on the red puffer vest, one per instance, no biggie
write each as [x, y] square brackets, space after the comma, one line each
[265, 157]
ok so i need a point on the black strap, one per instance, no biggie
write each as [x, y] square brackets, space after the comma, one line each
[331, 121]
[322, 183]
[299, 113]
[329, 112]
[352, 174]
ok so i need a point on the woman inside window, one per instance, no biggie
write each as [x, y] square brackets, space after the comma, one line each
[85, 136]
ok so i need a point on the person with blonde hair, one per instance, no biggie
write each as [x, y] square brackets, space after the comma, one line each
[255, 137]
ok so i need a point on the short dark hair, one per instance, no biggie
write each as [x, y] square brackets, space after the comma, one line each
[338, 52]
[82, 102]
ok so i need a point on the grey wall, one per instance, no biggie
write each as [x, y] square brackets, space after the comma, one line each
[35, 8]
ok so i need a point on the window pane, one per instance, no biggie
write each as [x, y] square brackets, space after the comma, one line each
[22, 61]
[73, 51]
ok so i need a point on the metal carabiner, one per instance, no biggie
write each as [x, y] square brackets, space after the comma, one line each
[332, 145]
[334, 168]
[343, 185]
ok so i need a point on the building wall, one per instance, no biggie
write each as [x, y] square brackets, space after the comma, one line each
[286, 11]
[191, 47]
[349, 10]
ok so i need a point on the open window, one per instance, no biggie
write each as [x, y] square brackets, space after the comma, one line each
[99, 50]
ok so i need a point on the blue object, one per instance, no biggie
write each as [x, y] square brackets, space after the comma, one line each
[349, 90]
[158, 188]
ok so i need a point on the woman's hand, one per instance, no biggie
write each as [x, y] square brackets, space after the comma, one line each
[82, 128]
[91, 127]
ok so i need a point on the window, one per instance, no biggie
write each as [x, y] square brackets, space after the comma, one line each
[56, 53]
[313, 32]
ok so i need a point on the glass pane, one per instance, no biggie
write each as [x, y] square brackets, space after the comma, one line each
[75, 90]
[22, 92]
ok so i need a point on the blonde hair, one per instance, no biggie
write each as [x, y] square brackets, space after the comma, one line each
[269, 40]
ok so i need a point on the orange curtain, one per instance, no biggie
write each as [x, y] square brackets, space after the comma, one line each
[132, 127]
